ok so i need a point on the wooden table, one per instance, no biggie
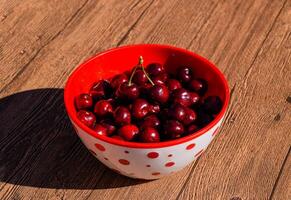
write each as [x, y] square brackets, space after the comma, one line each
[41, 42]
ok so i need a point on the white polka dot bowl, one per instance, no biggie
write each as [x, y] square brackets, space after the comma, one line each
[145, 160]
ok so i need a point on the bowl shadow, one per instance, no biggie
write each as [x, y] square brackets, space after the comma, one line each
[39, 147]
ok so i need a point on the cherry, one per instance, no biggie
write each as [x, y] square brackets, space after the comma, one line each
[190, 116]
[203, 119]
[173, 129]
[118, 80]
[100, 130]
[109, 125]
[212, 104]
[177, 112]
[128, 132]
[87, 118]
[194, 97]
[182, 96]
[192, 128]
[100, 90]
[139, 77]
[149, 135]
[117, 137]
[173, 84]
[83, 101]
[160, 79]
[184, 74]
[122, 115]
[126, 91]
[198, 85]
[140, 108]
[150, 121]
[103, 108]
[159, 93]
[155, 69]
[164, 114]
[154, 108]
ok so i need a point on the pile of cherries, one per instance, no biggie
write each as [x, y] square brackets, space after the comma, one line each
[149, 106]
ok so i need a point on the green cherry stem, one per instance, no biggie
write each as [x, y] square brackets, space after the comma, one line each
[144, 71]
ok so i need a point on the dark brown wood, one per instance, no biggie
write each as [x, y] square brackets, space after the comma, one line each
[41, 42]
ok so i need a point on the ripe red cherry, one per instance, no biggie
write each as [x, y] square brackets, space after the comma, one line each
[203, 119]
[160, 79]
[122, 115]
[159, 93]
[150, 121]
[190, 116]
[128, 132]
[155, 69]
[100, 130]
[140, 108]
[173, 84]
[118, 80]
[194, 97]
[109, 125]
[177, 112]
[192, 128]
[182, 96]
[154, 108]
[212, 104]
[103, 108]
[198, 85]
[129, 92]
[100, 90]
[149, 135]
[139, 77]
[184, 74]
[173, 129]
[83, 101]
[87, 118]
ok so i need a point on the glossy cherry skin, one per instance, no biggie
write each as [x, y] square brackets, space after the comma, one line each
[103, 108]
[109, 125]
[194, 98]
[140, 108]
[100, 130]
[159, 93]
[160, 79]
[150, 121]
[128, 132]
[192, 129]
[149, 134]
[155, 69]
[139, 77]
[177, 112]
[184, 74]
[203, 119]
[100, 90]
[190, 116]
[87, 118]
[173, 84]
[212, 105]
[83, 101]
[182, 96]
[128, 92]
[173, 129]
[122, 115]
[118, 80]
[198, 85]
[154, 108]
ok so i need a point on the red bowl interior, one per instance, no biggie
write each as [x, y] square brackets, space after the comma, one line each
[109, 63]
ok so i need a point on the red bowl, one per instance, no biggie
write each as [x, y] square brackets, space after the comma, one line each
[109, 63]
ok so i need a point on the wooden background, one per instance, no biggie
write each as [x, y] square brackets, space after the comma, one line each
[42, 41]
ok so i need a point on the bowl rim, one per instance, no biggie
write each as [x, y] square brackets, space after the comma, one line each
[110, 140]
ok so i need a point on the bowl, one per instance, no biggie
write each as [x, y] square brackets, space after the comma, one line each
[145, 160]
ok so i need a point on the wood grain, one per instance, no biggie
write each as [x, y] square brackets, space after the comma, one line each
[41, 42]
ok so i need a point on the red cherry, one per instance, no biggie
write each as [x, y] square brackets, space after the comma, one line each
[190, 116]
[140, 108]
[128, 92]
[149, 135]
[122, 115]
[154, 108]
[139, 77]
[155, 69]
[100, 90]
[173, 129]
[198, 85]
[184, 74]
[87, 118]
[128, 132]
[83, 101]
[177, 112]
[103, 108]
[150, 121]
[173, 84]
[160, 79]
[192, 128]
[182, 96]
[118, 80]
[109, 125]
[212, 104]
[194, 97]
[159, 93]
[100, 130]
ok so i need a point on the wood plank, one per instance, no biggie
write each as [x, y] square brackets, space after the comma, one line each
[244, 162]
[282, 189]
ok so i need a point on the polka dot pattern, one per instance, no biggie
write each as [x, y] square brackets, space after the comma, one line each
[126, 151]
[105, 158]
[91, 151]
[153, 155]
[156, 173]
[190, 146]
[169, 164]
[170, 155]
[215, 132]
[100, 147]
[148, 165]
[123, 162]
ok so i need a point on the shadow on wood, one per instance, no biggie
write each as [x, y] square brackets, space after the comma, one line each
[38, 146]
